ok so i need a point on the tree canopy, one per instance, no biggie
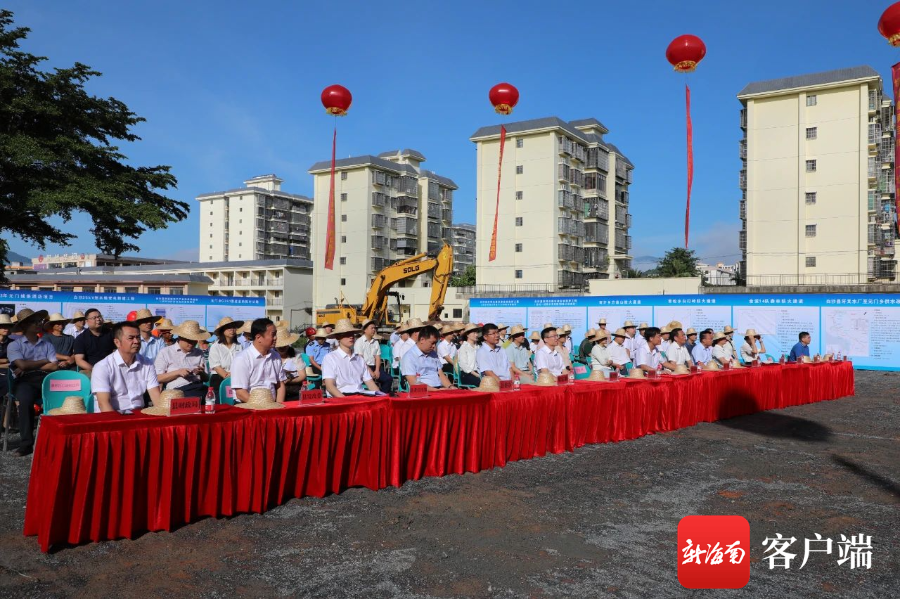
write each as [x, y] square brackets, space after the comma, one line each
[466, 279]
[57, 157]
[678, 262]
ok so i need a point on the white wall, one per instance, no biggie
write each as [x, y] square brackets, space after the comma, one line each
[649, 286]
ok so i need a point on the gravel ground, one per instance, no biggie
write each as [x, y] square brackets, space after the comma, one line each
[599, 522]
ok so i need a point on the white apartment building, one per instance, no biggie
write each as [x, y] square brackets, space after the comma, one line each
[387, 208]
[817, 180]
[463, 240]
[564, 200]
[256, 222]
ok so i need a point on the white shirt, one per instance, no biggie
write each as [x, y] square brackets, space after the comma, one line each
[251, 370]
[221, 355]
[645, 356]
[628, 344]
[678, 355]
[349, 372]
[749, 353]
[172, 358]
[395, 337]
[599, 356]
[568, 344]
[70, 330]
[618, 353]
[400, 348]
[729, 345]
[465, 358]
[494, 360]
[548, 359]
[125, 384]
[722, 353]
[445, 348]
[664, 346]
[368, 349]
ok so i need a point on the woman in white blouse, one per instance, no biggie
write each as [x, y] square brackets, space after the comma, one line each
[600, 359]
[222, 352]
[753, 347]
[465, 358]
[721, 352]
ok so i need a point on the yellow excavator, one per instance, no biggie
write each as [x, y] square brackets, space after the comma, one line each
[376, 305]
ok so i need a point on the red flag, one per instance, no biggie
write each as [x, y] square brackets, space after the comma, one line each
[329, 236]
[895, 73]
[493, 253]
[690, 164]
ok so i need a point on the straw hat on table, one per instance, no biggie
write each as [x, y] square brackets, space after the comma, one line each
[545, 379]
[283, 337]
[260, 399]
[597, 375]
[681, 370]
[711, 365]
[165, 325]
[191, 330]
[227, 323]
[72, 405]
[489, 384]
[161, 408]
[145, 316]
[636, 374]
[344, 326]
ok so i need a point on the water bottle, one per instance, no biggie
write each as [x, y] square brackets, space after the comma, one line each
[571, 376]
[781, 360]
[659, 371]
[210, 404]
[839, 358]
[516, 383]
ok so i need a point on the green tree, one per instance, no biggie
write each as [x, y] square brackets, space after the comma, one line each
[57, 157]
[678, 262]
[466, 279]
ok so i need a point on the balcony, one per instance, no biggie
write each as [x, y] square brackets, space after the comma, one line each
[743, 118]
[742, 149]
[596, 208]
[378, 221]
[379, 199]
[742, 210]
[873, 100]
[742, 240]
[874, 133]
[447, 215]
[434, 210]
[742, 179]
[275, 301]
[378, 242]
[405, 205]
[274, 282]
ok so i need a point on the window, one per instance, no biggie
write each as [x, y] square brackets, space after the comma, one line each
[210, 258]
[154, 290]
[241, 209]
[457, 313]
[131, 290]
[343, 239]
[810, 166]
[518, 197]
[343, 260]
[519, 142]
[210, 235]
[210, 224]
[344, 197]
[518, 273]
[343, 175]
[210, 246]
[518, 247]
[810, 261]
[109, 290]
[810, 231]
[810, 197]
[811, 101]
[519, 169]
[812, 133]
[343, 218]
[518, 221]
[210, 213]
[343, 281]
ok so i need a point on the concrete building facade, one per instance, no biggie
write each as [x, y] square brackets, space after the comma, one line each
[564, 198]
[817, 180]
[256, 222]
[463, 239]
[387, 208]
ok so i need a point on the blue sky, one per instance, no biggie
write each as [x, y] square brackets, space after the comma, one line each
[230, 90]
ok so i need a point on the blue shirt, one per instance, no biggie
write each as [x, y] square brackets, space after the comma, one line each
[317, 351]
[151, 349]
[799, 349]
[22, 349]
[426, 366]
[701, 353]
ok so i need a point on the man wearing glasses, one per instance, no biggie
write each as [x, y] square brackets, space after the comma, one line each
[490, 358]
[547, 359]
[95, 344]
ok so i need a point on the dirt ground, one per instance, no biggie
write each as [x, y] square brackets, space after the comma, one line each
[599, 522]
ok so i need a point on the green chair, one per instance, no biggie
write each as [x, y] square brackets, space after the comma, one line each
[54, 399]
[226, 394]
[458, 380]
[314, 379]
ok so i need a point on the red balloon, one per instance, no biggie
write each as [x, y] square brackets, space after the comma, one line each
[504, 97]
[310, 332]
[132, 316]
[685, 52]
[889, 24]
[336, 99]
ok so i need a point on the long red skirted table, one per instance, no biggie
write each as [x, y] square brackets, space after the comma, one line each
[109, 476]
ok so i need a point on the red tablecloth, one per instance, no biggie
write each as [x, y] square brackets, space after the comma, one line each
[108, 476]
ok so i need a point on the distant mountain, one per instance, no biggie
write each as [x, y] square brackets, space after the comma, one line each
[644, 262]
[12, 257]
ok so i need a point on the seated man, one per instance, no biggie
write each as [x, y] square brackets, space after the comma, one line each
[446, 349]
[618, 353]
[343, 372]
[259, 364]
[677, 353]
[519, 356]
[317, 349]
[421, 364]
[691, 340]
[181, 366]
[30, 358]
[801, 348]
[95, 344]
[120, 380]
[600, 357]
[548, 359]
[370, 350]
[490, 357]
[647, 357]
[702, 352]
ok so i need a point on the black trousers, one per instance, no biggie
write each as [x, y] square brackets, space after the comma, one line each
[215, 380]
[385, 381]
[469, 379]
[27, 390]
[194, 390]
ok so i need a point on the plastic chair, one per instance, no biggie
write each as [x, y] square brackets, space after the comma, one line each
[226, 394]
[54, 399]
[310, 378]
[458, 380]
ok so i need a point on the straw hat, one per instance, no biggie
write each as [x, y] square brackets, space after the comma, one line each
[517, 330]
[805, 359]
[470, 327]
[282, 323]
[567, 328]
[5, 320]
[165, 325]
[226, 323]
[601, 335]
[680, 369]
[545, 379]
[719, 335]
[691, 331]
[445, 330]
[546, 325]
[751, 333]
[489, 384]
[828, 357]
[320, 333]
[601, 322]
[711, 365]
[620, 332]
[636, 374]
[343, 326]
[597, 375]
[25, 316]
[78, 316]
[675, 325]
[411, 325]
[366, 323]
[145, 316]
[161, 408]
[283, 337]
[665, 329]
[736, 364]
[191, 330]
[72, 405]
[728, 329]
[627, 324]
[501, 327]
[261, 399]
[590, 333]
[561, 332]
[642, 326]
[535, 336]
[56, 318]
[245, 328]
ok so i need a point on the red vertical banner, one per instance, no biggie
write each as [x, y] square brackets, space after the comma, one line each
[330, 234]
[493, 253]
[690, 164]
[895, 75]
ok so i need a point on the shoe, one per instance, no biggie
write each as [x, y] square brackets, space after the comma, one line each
[25, 450]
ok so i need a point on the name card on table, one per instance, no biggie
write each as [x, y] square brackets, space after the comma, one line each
[419, 390]
[229, 393]
[506, 386]
[65, 385]
[580, 369]
[184, 406]
[311, 396]
[562, 380]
